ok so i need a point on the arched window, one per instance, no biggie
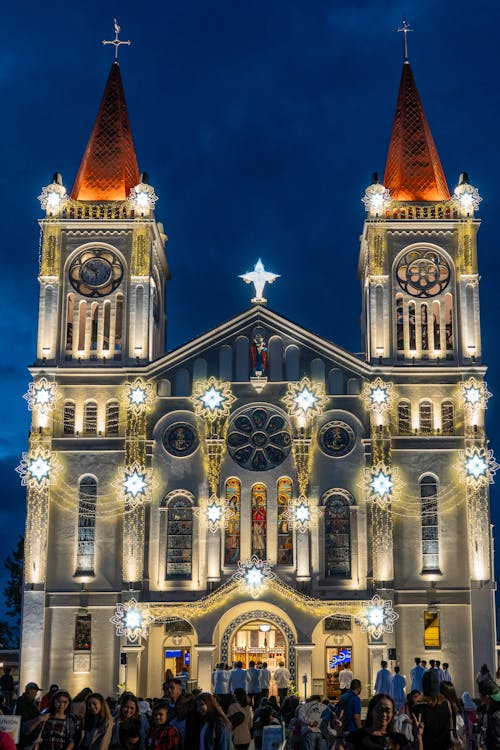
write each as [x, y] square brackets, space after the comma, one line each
[448, 317]
[447, 418]
[426, 425]
[232, 538]
[90, 418]
[436, 321]
[112, 417]
[179, 539]
[424, 328]
[259, 520]
[404, 417]
[69, 418]
[337, 537]
[94, 325]
[430, 525]
[119, 323]
[411, 326]
[85, 553]
[285, 534]
[400, 335]
[106, 325]
[70, 314]
[82, 323]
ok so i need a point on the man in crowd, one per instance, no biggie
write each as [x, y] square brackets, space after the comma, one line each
[253, 685]
[398, 690]
[7, 686]
[238, 678]
[383, 680]
[416, 675]
[345, 678]
[265, 680]
[282, 678]
[220, 686]
[173, 690]
[446, 673]
[31, 718]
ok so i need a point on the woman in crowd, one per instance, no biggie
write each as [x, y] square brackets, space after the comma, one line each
[162, 736]
[215, 732]
[97, 724]
[433, 710]
[378, 732]
[78, 703]
[60, 731]
[128, 723]
[241, 712]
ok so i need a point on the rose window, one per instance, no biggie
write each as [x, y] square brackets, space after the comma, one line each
[423, 273]
[259, 438]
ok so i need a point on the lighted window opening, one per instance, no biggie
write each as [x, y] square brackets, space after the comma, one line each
[87, 499]
[94, 324]
[119, 323]
[69, 418]
[448, 322]
[112, 417]
[70, 315]
[337, 525]
[432, 630]
[429, 523]
[259, 520]
[426, 422]
[179, 539]
[412, 326]
[400, 336]
[82, 322]
[424, 330]
[436, 321]
[90, 418]
[447, 418]
[232, 536]
[404, 417]
[285, 533]
[106, 326]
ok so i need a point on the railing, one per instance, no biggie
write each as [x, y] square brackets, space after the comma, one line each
[96, 211]
[424, 212]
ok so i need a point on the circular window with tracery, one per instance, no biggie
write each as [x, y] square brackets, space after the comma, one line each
[259, 438]
[423, 273]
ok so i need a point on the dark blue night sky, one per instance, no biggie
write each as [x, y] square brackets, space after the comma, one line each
[260, 124]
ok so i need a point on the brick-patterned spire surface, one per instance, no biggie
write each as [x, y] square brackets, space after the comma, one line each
[413, 171]
[109, 166]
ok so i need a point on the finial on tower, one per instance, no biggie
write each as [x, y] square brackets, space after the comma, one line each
[116, 42]
[405, 28]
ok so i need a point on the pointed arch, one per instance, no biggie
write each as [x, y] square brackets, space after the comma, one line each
[232, 536]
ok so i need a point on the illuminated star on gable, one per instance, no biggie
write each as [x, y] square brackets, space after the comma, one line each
[259, 277]
[379, 395]
[305, 399]
[212, 398]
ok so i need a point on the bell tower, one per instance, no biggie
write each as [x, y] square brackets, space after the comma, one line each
[103, 268]
[418, 263]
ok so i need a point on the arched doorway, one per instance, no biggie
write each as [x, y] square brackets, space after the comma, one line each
[245, 631]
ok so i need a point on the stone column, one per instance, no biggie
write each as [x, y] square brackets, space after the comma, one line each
[213, 555]
[304, 668]
[205, 651]
[303, 557]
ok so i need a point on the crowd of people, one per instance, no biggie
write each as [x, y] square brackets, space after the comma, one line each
[427, 716]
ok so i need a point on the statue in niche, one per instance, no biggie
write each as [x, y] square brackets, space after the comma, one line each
[258, 352]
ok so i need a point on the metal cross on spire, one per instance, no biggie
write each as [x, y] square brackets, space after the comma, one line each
[405, 28]
[117, 42]
[259, 277]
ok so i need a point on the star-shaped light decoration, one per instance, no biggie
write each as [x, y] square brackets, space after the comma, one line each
[139, 395]
[301, 515]
[132, 620]
[479, 464]
[253, 575]
[378, 395]
[135, 484]
[377, 199]
[466, 197]
[212, 399]
[259, 277]
[474, 394]
[53, 197]
[214, 513]
[41, 395]
[39, 467]
[382, 484]
[377, 616]
[305, 400]
[143, 198]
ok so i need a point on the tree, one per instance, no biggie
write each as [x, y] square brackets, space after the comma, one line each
[10, 631]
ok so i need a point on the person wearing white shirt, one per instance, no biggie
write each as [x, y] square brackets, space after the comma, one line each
[238, 678]
[446, 673]
[220, 686]
[264, 680]
[345, 678]
[282, 678]
[383, 680]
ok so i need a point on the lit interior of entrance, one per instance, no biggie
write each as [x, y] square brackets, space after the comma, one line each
[259, 642]
[337, 658]
[176, 660]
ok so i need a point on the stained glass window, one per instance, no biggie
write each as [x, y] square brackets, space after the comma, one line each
[69, 418]
[87, 497]
[285, 534]
[90, 418]
[83, 633]
[179, 539]
[432, 630]
[404, 417]
[232, 539]
[447, 418]
[426, 421]
[112, 417]
[337, 537]
[259, 520]
[430, 525]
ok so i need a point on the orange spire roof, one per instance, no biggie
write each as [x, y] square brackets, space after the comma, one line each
[413, 171]
[109, 166]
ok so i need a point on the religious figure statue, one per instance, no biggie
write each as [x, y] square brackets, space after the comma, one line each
[258, 352]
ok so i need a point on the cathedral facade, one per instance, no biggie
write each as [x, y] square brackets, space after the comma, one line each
[258, 493]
